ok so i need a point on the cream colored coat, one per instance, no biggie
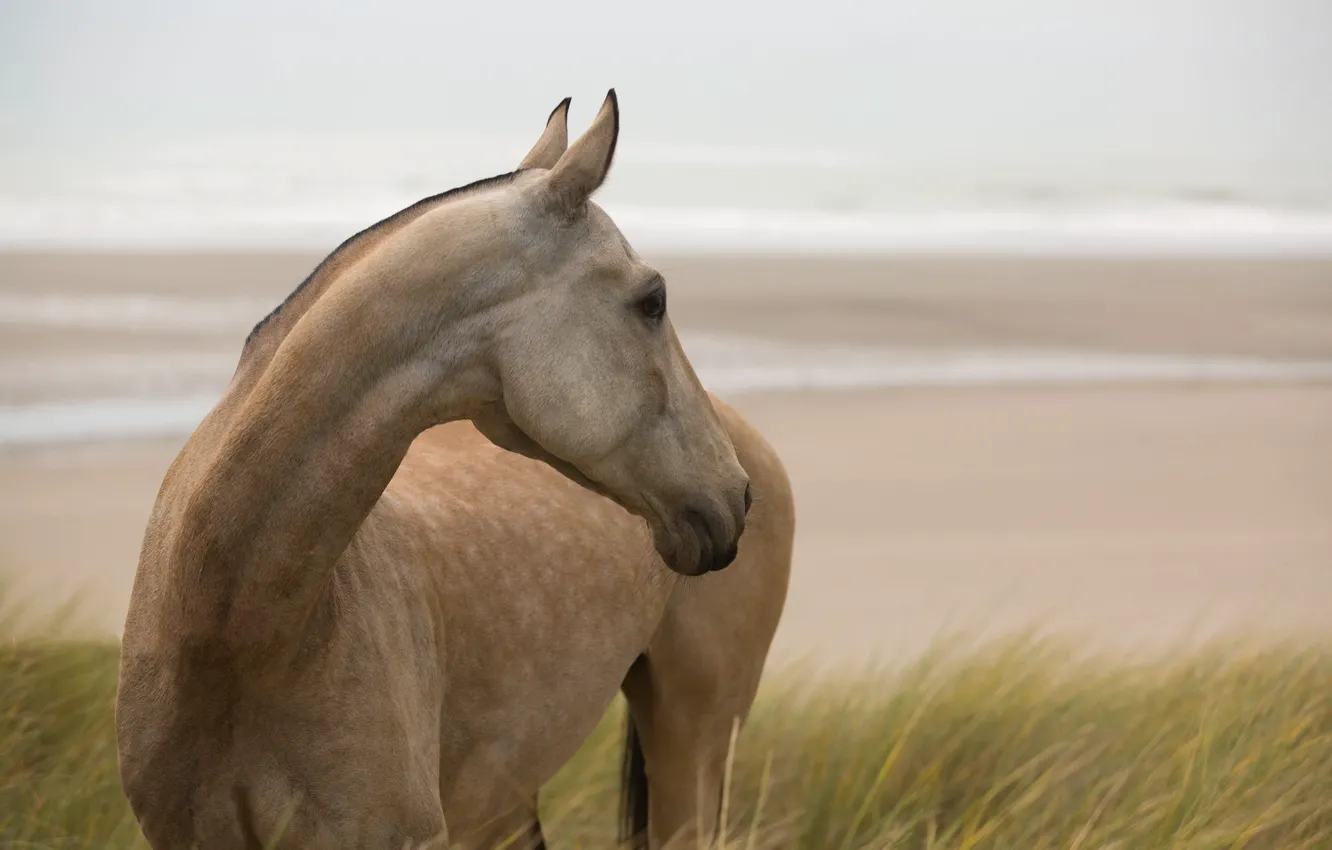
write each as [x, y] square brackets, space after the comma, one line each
[357, 622]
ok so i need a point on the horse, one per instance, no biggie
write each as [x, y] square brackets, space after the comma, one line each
[463, 487]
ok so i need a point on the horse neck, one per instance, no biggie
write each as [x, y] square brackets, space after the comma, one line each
[301, 463]
[267, 337]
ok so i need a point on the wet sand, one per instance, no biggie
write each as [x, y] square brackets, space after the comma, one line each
[1258, 307]
[1132, 513]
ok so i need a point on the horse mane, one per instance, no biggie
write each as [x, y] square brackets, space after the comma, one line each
[356, 240]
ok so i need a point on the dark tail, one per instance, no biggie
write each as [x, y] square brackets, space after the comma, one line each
[633, 789]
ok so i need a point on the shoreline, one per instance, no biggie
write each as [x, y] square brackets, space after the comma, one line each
[1168, 226]
[1138, 512]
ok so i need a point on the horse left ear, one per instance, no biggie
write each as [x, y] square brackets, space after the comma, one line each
[553, 142]
[583, 168]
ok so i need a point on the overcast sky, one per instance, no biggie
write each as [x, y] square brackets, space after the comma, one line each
[1236, 80]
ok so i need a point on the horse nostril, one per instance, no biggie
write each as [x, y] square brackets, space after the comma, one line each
[749, 499]
[727, 558]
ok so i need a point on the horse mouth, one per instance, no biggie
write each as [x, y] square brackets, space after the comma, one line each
[695, 544]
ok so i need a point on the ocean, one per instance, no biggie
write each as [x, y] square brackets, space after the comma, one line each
[284, 192]
[309, 192]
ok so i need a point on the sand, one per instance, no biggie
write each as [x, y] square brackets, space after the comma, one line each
[1135, 514]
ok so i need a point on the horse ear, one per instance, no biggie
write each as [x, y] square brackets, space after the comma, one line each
[553, 142]
[582, 169]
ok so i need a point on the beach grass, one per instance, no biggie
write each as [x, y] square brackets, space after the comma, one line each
[1027, 743]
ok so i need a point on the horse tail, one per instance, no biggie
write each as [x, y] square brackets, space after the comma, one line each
[633, 789]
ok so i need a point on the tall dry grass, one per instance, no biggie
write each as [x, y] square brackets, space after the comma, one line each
[1025, 744]
[1022, 744]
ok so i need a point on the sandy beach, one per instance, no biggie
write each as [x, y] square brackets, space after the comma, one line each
[1135, 511]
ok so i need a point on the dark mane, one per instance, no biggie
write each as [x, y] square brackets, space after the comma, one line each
[407, 212]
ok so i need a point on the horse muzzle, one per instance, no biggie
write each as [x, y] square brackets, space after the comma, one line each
[706, 536]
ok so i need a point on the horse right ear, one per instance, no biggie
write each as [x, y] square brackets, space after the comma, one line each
[553, 142]
[583, 168]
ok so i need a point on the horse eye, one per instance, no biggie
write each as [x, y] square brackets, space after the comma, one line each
[653, 305]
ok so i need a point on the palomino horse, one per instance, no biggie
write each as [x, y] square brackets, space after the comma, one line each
[353, 624]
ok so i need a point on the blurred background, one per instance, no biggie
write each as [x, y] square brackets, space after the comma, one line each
[1034, 298]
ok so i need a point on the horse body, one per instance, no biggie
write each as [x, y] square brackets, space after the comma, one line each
[562, 595]
[358, 622]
